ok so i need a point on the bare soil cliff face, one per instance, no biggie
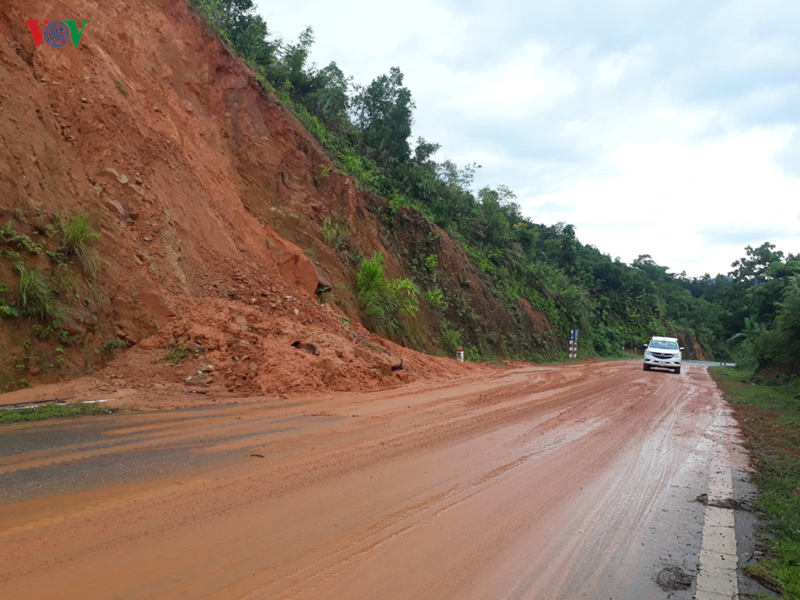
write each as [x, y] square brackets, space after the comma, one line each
[210, 198]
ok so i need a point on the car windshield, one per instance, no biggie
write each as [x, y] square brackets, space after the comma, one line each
[662, 345]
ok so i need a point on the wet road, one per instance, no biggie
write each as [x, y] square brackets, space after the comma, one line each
[708, 363]
[570, 481]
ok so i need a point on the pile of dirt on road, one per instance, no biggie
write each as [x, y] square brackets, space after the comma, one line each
[285, 344]
[216, 350]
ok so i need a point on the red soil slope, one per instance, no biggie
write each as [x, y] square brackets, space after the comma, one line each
[152, 125]
[210, 197]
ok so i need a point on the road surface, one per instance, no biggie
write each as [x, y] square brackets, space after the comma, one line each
[572, 481]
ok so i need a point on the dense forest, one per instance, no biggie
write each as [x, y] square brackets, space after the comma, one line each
[751, 314]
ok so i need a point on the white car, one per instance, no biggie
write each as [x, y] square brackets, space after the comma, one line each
[663, 352]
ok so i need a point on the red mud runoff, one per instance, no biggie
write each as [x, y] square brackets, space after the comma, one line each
[530, 482]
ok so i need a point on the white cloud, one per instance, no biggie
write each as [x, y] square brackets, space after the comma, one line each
[522, 85]
[612, 68]
[689, 195]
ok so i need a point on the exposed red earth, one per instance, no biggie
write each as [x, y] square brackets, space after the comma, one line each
[570, 481]
[210, 198]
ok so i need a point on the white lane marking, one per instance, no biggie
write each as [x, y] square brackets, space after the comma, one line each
[717, 578]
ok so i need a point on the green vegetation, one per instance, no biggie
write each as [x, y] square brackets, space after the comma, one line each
[9, 236]
[776, 340]
[43, 228]
[42, 332]
[37, 294]
[42, 285]
[769, 415]
[452, 340]
[49, 411]
[323, 174]
[6, 308]
[42, 294]
[121, 87]
[435, 299]
[77, 232]
[382, 300]
[335, 235]
[110, 347]
[177, 351]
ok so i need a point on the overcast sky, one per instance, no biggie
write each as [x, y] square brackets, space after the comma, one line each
[661, 127]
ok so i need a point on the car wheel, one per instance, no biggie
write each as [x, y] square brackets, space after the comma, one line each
[678, 370]
[646, 367]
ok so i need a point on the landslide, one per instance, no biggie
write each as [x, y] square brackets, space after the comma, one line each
[212, 202]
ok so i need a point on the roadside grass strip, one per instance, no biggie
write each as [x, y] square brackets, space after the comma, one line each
[50, 411]
[769, 417]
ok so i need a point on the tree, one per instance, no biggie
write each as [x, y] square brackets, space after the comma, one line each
[329, 99]
[239, 23]
[297, 75]
[754, 268]
[762, 277]
[493, 223]
[788, 324]
[645, 263]
[383, 115]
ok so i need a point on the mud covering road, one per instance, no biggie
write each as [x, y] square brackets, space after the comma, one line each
[538, 482]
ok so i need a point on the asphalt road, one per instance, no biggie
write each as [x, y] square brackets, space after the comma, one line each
[574, 481]
[708, 363]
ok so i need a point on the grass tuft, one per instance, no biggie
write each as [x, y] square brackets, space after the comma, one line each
[37, 294]
[110, 347]
[77, 232]
[335, 235]
[177, 351]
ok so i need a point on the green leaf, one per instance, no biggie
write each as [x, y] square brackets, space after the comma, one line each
[9, 310]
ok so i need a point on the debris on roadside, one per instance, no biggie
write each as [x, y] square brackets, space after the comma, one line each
[199, 380]
[673, 578]
[724, 503]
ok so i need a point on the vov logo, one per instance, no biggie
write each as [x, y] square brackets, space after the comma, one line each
[56, 33]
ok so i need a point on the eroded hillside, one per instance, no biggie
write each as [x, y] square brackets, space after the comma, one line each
[215, 207]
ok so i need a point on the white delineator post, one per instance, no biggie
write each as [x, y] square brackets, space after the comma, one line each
[460, 355]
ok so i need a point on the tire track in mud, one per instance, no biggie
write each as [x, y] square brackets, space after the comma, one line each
[507, 467]
[336, 504]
